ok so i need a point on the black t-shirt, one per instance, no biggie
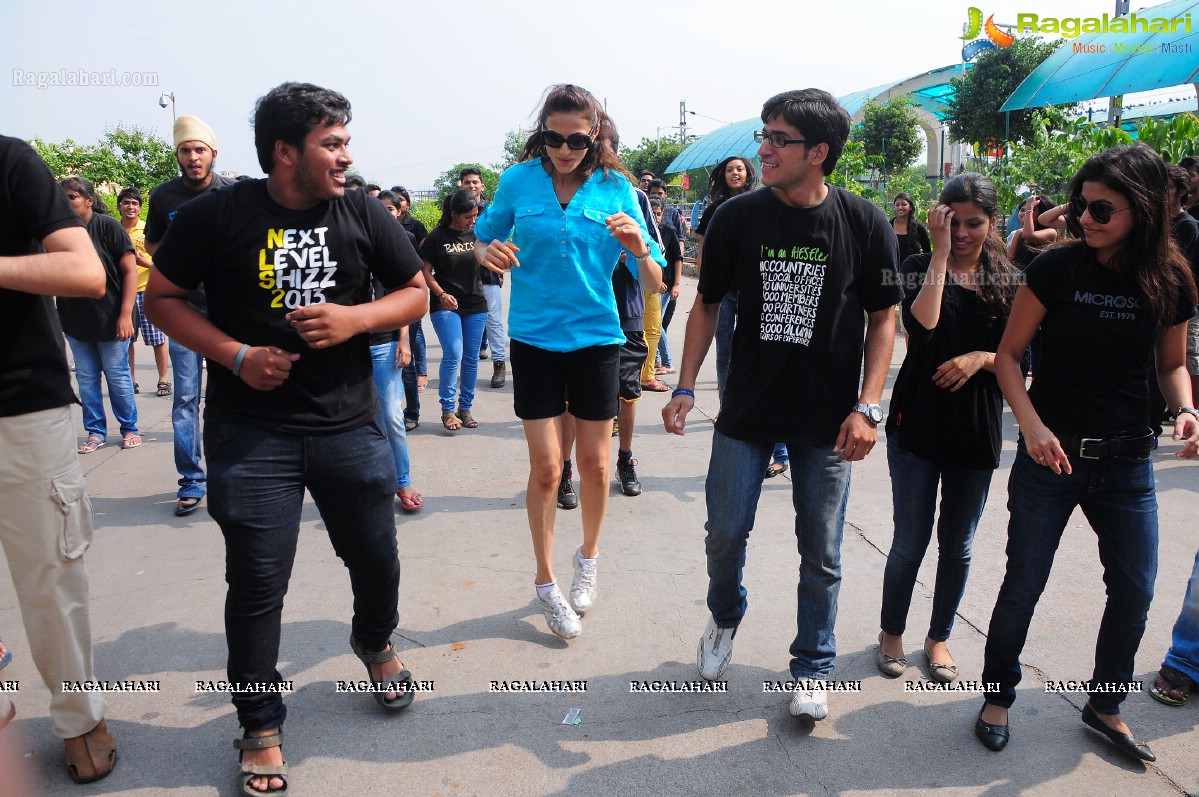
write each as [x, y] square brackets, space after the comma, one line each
[1185, 229]
[95, 320]
[960, 429]
[33, 364]
[913, 242]
[673, 252]
[165, 201]
[1097, 352]
[415, 226]
[451, 253]
[806, 278]
[259, 262]
[705, 218]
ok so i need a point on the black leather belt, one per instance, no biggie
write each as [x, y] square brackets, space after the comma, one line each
[1102, 448]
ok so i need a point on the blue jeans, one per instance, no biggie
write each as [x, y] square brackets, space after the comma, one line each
[726, 322]
[185, 420]
[1183, 654]
[390, 390]
[460, 336]
[819, 489]
[496, 335]
[914, 482]
[1118, 498]
[779, 454]
[418, 367]
[110, 358]
[257, 480]
[663, 346]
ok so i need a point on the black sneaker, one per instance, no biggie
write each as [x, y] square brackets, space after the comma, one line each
[567, 499]
[626, 472]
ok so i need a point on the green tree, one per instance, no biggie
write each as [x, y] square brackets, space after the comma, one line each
[514, 144]
[125, 156]
[850, 166]
[427, 212]
[973, 112]
[447, 181]
[890, 133]
[653, 154]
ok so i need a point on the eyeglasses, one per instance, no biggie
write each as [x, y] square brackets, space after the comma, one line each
[1101, 210]
[778, 140]
[576, 141]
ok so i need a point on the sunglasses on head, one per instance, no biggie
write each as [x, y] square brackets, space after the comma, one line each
[576, 141]
[1101, 209]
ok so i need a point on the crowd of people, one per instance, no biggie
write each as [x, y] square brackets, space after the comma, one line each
[304, 293]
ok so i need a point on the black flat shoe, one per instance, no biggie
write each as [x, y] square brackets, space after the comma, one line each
[993, 737]
[1121, 741]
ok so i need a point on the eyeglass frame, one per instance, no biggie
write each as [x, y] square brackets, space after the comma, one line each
[567, 139]
[1079, 206]
[761, 136]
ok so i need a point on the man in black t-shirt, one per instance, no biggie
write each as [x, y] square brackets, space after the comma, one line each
[495, 336]
[45, 516]
[195, 149]
[815, 270]
[287, 263]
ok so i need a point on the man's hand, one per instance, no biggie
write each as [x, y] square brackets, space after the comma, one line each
[266, 367]
[856, 438]
[124, 328]
[674, 414]
[324, 325]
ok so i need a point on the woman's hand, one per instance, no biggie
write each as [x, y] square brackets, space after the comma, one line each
[955, 372]
[1186, 427]
[448, 302]
[624, 229]
[498, 256]
[939, 217]
[1045, 449]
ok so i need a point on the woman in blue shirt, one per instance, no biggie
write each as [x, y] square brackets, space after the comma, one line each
[559, 221]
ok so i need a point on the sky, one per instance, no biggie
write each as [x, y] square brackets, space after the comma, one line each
[440, 82]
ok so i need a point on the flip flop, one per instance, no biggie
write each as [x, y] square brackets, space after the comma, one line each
[93, 443]
[7, 657]
[410, 424]
[131, 441]
[1177, 688]
[775, 469]
[185, 506]
[411, 502]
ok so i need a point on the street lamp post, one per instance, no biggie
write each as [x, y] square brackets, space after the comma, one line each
[164, 98]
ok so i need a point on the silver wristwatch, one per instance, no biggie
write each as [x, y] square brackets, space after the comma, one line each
[873, 412]
[1188, 411]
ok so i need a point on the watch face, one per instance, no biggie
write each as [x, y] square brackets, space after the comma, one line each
[875, 413]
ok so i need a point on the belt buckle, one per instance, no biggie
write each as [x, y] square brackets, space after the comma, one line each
[1082, 447]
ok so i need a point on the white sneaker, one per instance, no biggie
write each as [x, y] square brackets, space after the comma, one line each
[582, 591]
[715, 650]
[809, 703]
[561, 619]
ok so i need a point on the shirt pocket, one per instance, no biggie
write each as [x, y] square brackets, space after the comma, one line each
[531, 221]
[73, 513]
[593, 225]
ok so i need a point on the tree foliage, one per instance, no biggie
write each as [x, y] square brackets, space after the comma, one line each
[125, 156]
[514, 143]
[973, 113]
[653, 154]
[890, 132]
[447, 181]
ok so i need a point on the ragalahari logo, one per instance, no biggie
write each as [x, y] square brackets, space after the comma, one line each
[976, 46]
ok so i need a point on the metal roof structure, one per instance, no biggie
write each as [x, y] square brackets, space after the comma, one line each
[1109, 64]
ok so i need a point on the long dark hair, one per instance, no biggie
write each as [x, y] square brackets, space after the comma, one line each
[718, 188]
[998, 278]
[459, 202]
[906, 197]
[568, 98]
[85, 189]
[1149, 254]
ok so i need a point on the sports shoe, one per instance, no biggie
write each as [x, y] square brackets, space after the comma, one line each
[715, 650]
[582, 591]
[499, 373]
[626, 473]
[809, 703]
[566, 491]
[561, 619]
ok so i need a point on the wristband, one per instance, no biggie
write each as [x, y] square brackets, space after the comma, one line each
[682, 391]
[241, 355]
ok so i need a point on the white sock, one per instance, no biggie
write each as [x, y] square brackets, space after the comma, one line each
[544, 590]
[581, 558]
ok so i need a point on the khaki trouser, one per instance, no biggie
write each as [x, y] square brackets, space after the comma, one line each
[45, 526]
[653, 331]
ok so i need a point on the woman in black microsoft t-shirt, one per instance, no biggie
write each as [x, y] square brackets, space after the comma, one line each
[458, 308]
[943, 427]
[1108, 305]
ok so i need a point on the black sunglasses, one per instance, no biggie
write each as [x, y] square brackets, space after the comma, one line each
[576, 141]
[1101, 210]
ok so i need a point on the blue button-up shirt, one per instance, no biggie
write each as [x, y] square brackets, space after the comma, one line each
[562, 297]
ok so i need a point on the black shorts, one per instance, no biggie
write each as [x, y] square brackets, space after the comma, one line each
[632, 356]
[542, 380]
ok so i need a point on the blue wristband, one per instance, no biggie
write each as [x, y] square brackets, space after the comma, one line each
[682, 391]
[241, 355]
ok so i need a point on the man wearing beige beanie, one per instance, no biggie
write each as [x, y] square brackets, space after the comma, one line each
[195, 149]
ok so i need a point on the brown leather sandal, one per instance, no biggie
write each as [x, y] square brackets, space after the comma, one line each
[451, 422]
[468, 421]
[91, 756]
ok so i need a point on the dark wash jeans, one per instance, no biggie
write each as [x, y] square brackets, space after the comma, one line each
[256, 483]
[914, 482]
[1117, 496]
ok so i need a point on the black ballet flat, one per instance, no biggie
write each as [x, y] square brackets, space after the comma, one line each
[993, 737]
[1121, 741]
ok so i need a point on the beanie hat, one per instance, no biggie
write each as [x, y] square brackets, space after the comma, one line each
[191, 128]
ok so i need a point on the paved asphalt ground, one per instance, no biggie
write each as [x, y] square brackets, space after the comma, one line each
[468, 617]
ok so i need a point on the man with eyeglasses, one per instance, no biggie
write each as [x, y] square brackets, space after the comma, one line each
[195, 149]
[815, 270]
